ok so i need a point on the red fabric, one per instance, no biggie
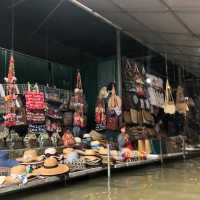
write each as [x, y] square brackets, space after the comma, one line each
[35, 100]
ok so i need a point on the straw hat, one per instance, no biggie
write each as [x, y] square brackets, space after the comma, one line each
[50, 151]
[14, 173]
[90, 152]
[77, 140]
[30, 156]
[86, 135]
[2, 179]
[66, 151]
[103, 151]
[51, 167]
[95, 135]
[115, 154]
[91, 158]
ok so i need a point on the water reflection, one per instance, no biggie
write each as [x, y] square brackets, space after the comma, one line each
[178, 181]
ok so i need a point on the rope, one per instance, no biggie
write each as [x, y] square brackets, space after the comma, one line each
[166, 67]
[12, 27]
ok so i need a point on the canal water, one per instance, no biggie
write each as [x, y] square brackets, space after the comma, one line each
[173, 181]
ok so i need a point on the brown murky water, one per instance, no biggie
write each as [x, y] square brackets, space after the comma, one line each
[175, 181]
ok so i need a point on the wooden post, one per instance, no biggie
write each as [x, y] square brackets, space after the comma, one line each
[108, 159]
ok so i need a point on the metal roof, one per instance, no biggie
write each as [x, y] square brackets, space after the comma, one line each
[166, 26]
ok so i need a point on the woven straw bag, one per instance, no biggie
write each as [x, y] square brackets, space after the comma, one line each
[169, 105]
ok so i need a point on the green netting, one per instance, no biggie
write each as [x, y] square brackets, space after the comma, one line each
[106, 72]
[38, 70]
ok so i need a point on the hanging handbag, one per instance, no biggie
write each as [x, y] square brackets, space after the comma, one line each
[77, 119]
[127, 117]
[169, 105]
[140, 117]
[147, 117]
[134, 116]
[115, 103]
[140, 90]
[181, 104]
[100, 116]
[68, 119]
[83, 121]
[112, 122]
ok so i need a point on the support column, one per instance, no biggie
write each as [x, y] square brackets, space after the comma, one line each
[118, 69]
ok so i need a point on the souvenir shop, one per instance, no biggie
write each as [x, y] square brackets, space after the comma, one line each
[44, 129]
[135, 119]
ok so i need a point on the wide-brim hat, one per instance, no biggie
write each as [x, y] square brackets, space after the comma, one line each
[14, 173]
[92, 158]
[77, 140]
[50, 151]
[30, 156]
[51, 168]
[66, 151]
[95, 135]
[89, 152]
[103, 151]
[86, 135]
[60, 169]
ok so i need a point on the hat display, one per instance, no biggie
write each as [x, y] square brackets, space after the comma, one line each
[72, 156]
[5, 161]
[77, 140]
[51, 167]
[95, 135]
[103, 151]
[89, 152]
[17, 175]
[66, 151]
[86, 135]
[92, 160]
[30, 157]
[2, 179]
[95, 144]
[50, 151]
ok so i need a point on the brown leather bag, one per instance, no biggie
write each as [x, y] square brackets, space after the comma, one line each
[127, 117]
[68, 118]
[112, 123]
[147, 117]
[134, 116]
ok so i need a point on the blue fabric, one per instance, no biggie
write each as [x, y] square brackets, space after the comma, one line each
[5, 161]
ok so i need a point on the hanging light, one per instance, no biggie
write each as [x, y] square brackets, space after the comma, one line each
[148, 80]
